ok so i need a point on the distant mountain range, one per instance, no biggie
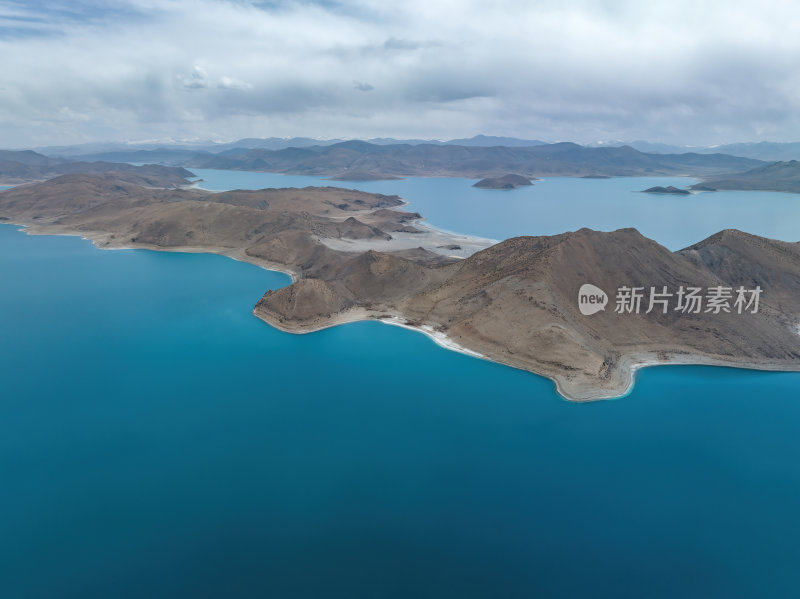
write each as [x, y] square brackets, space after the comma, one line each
[765, 150]
[102, 151]
[239, 153]
[24, 166]
[359, 161]
[425, 160]
[174, 152]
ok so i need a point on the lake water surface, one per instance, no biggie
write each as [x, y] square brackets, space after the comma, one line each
[559, 204]
[157, 440]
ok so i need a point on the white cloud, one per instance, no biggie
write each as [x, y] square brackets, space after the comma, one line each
[226, 82]
[196, 79]
[674, 70]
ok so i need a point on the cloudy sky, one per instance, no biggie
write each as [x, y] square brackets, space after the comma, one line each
[678, 71]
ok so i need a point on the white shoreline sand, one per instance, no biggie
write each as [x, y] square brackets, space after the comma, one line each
[441, 339]
[360, 315]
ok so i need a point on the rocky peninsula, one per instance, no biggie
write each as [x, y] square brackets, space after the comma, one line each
[356, 255]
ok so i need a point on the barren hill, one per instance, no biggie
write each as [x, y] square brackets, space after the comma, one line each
[26, 166]
[517, 303]
[779, 176]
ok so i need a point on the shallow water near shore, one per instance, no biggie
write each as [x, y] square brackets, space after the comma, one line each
[157, 440]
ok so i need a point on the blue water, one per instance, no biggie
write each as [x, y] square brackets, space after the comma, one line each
[559, 204]
[156, 440]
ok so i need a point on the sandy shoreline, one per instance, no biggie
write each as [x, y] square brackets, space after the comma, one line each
[102, 241]
[361, 314]
[441, 339]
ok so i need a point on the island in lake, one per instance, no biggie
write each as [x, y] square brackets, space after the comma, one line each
[669, 190]
[504, 182]
[355, 255]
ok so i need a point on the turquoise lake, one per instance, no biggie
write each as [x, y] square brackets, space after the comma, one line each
[157, 440]
[559, 204]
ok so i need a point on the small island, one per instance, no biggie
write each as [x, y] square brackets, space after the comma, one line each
[670, 190]
[504, 182]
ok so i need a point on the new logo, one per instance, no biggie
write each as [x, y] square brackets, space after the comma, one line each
[591, 299]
